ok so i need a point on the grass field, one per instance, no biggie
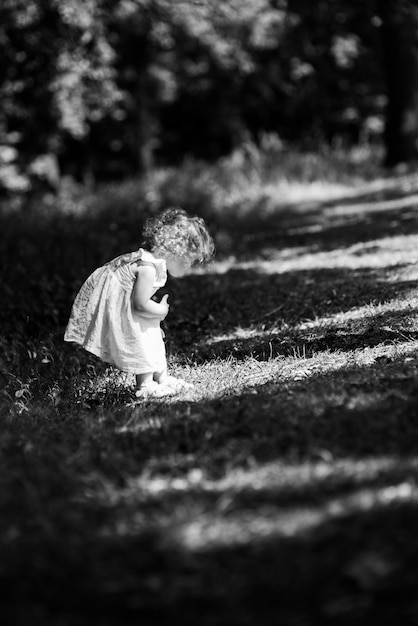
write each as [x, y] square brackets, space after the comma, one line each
[283, 489]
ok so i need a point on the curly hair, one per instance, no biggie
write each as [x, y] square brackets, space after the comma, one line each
[176, 232]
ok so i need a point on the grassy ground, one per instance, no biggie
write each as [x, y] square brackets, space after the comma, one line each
[284, 488]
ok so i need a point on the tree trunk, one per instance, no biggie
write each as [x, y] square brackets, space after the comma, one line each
[400, 56]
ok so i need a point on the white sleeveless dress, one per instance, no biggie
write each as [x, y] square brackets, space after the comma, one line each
[104, 322]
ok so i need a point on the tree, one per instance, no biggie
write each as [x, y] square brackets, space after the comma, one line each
[58, 78]
[114, 86]
[182, 65]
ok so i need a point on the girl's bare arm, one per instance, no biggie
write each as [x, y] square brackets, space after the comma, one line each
[143, 291]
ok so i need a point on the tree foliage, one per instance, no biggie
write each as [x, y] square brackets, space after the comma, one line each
[110, 87]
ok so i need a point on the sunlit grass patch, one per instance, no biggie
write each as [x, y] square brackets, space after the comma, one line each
[218, 378]
[377, 253]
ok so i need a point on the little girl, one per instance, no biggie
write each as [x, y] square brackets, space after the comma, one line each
[114, 315]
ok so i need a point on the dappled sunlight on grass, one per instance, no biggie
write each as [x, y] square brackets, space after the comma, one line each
[369, 207]
[377, 253]
[277, 257]
[287, 193]
[245, 507]
[275, 480]
[307, 195]
[232, 376]
[251, 526]
[290, 466]
[382, 313]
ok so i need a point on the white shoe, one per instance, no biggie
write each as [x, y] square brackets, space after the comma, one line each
[154, 390]
[176, 383]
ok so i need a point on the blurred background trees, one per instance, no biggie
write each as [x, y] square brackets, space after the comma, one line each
[400, 59]
[107, 89]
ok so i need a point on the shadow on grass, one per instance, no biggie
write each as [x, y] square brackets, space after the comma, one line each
[296, 504]
[144, 580]
[312, 342]
[353, 412]
[260, 310]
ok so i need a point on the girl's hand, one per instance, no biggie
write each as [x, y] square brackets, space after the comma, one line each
[165, 305]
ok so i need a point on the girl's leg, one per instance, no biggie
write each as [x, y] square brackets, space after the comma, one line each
[177, 384]
[160, 377]
[143, 379]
